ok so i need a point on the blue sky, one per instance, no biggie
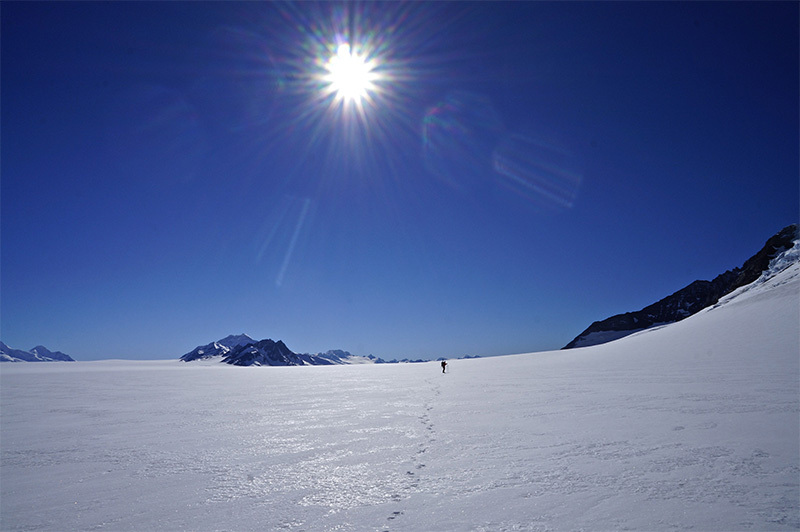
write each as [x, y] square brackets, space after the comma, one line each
[176, 172]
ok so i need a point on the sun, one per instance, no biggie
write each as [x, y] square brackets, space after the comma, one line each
[349, 76]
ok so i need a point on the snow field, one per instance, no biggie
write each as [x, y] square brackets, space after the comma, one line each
[692, 426]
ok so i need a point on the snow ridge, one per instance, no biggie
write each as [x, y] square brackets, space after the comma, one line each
[783, 269]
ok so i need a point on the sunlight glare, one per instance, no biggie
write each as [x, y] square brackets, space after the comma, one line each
[350, 76]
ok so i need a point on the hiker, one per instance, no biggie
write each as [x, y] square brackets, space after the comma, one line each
[444, 365]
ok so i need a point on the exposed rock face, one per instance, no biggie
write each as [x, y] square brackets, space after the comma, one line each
[263, 353]
[218, 348]
[689, 300]
[755, 265]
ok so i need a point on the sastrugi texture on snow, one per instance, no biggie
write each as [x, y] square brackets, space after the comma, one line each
[37, 354]
[689, 300]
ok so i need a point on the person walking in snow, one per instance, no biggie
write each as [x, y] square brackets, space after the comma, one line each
[444, 365]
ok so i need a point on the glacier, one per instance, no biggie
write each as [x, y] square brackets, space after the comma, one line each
[690, 426]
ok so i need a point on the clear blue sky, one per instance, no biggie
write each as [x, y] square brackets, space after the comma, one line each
[176, 172]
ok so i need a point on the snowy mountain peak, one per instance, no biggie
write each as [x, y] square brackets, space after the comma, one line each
[232, 341]
[37, 354]
[241, 350]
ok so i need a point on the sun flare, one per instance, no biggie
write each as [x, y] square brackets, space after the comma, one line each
[350, 76]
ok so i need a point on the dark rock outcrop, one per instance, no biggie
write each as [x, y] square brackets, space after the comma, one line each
[218, 348]
[263, 353]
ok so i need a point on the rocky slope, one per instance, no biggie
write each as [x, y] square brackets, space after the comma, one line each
[689, 300]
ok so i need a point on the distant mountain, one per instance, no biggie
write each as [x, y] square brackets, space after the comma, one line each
[689, 300]
[219, 348]
[242, 350]
[37, 354]
[263, 353]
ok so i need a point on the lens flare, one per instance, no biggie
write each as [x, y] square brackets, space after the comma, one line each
[458, 136]
[541, 171]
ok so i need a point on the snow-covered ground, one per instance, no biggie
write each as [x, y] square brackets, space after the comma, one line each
[691, 426]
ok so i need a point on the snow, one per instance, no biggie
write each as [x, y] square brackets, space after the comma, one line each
[690, 426]
[356, 359]
[602, 337]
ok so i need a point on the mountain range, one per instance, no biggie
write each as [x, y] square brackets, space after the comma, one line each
[690, 299]
[37, 354]
[241, 350]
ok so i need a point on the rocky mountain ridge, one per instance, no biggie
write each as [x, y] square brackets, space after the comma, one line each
[241, 350]
[688, 300]
[37, 354]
